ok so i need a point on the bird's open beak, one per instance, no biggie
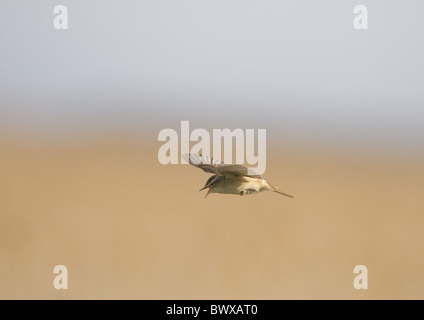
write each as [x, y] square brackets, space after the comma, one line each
[209, 191]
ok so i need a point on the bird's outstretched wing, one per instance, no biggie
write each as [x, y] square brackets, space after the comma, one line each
[210, 165]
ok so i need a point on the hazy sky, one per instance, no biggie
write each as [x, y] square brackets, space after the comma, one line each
[294, 66]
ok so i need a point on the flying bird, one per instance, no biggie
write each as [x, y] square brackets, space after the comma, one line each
[230, 179]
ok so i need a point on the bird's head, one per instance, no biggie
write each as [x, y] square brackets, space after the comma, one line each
[211, 184]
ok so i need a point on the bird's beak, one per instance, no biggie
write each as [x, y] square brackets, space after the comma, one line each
[209, 191]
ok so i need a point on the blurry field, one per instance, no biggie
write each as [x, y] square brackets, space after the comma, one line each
[128, 227]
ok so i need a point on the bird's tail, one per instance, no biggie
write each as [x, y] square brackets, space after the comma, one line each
[275, 189]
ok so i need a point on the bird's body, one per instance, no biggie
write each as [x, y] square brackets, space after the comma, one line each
[239, 185]
[231, 179]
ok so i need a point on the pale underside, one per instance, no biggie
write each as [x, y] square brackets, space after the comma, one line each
[240, 185]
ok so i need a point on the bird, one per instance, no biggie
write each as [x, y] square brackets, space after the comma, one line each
[230, 179]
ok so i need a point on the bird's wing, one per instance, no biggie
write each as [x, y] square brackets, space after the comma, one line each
[216, 167]
[206, 165]
[236, 170]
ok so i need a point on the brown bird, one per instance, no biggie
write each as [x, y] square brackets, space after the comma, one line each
[230, 179]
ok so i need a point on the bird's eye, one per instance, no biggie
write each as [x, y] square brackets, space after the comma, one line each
[211, 185]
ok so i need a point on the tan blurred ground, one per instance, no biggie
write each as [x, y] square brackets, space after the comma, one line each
[128, 227]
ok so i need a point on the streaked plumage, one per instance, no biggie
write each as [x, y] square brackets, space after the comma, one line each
[230, 179]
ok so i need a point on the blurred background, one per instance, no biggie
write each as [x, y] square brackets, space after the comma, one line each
[81, 185]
